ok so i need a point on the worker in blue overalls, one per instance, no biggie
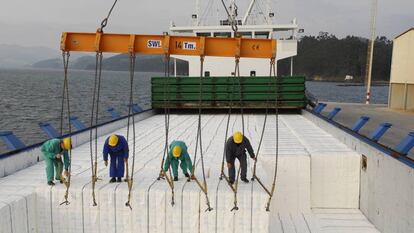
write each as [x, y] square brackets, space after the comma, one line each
[117, 147]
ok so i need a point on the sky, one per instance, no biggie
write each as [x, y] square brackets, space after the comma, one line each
[40, 22]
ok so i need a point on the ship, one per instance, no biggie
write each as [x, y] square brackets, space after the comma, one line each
[312, 173]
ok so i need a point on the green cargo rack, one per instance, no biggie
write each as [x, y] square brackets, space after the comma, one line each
[223, 92]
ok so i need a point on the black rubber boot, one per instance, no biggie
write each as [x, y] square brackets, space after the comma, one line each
[187, 175]
[119, 180]
[112, 180]
[176, 178]
[50, 183]
[245, 180]
[231, 182]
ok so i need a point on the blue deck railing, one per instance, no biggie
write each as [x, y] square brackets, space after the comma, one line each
[16, 146]
[399, 152]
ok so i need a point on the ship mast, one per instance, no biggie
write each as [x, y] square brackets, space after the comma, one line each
[249, 10]
[197, 20]
[267, 15]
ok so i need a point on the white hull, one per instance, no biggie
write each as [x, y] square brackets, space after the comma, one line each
[222, 66]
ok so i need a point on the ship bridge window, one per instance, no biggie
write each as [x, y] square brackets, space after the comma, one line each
[246, 34]
[262, 35]
[222, 34]
[206, 34]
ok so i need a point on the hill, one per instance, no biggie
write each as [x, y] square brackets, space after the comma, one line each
[327, 58]
[15, 56]
[143, 63]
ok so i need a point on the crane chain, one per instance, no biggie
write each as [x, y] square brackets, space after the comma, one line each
[162, 175]
[272, 64]
[276, 138]
[203, 186]
[223, 175]
[94, 117]
[255, 177]
[130, 180]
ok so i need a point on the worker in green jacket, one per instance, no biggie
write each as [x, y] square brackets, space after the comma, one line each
[53, 150]
[178, 155]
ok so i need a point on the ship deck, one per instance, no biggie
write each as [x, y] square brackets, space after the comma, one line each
[402, 122]
[317, 188]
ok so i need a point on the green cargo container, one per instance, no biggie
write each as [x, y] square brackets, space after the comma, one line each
[208, 96]
[226, 104]
[228, 88]
[228, 80]
[223, 92]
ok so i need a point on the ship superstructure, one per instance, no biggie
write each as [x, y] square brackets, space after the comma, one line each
[256, 22]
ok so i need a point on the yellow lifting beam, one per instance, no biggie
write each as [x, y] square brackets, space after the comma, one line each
[168, 45]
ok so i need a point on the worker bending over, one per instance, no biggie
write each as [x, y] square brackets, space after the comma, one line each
[53, 150]
[117, 147]
[178, 155]
[236, 147]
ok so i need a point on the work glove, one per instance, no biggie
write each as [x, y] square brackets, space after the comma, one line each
[66, 173]
[161, 175]
[229, 165]
[106, 163]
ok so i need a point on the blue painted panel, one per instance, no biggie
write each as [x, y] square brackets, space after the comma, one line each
[406, 145]
[49, 129]
[380, 131]
[333, 113]
[12, 142]
[114, 114]
[319, 107]
[136, 108]
[388, 151]
[77, 123]
[360, 123]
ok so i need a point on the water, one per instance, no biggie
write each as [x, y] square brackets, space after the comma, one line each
[332, 92]
[28, 97]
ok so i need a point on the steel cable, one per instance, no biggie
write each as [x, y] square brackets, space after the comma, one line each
[223, 175]
[231, 18]
[105, 20]
[65, 95]
[94, 117]
[162, 174]
[130, 180]
[276, 104]
[203, 187]
[276, 138]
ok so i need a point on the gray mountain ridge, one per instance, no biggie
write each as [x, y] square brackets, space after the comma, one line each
[144, 63]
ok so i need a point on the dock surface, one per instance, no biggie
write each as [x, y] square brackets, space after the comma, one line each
[402, 122]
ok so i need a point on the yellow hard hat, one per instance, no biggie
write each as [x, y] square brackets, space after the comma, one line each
[113, 140]
[238, 137]
[176, 151]
[67, 143]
